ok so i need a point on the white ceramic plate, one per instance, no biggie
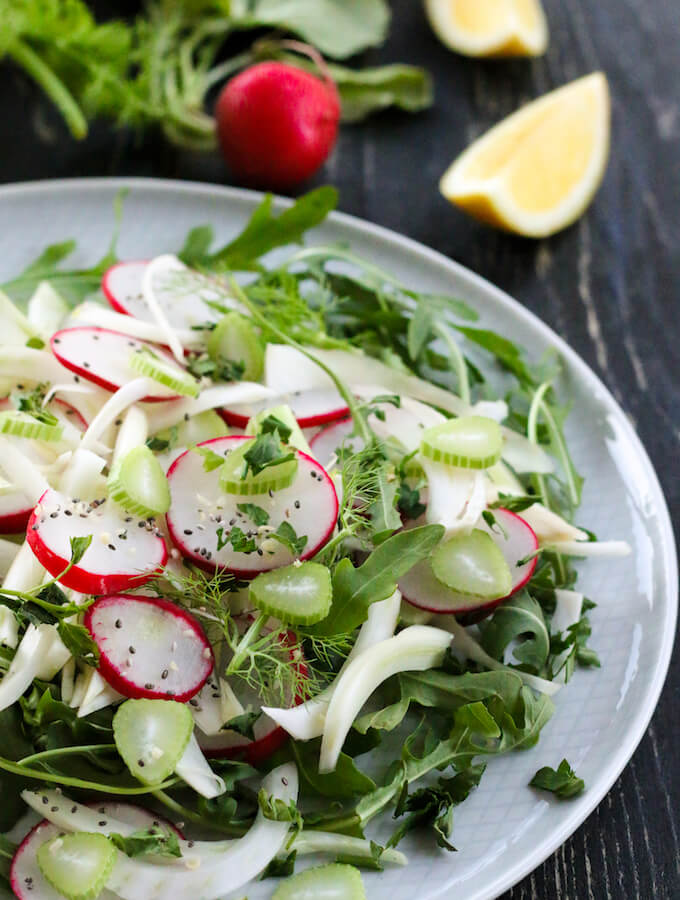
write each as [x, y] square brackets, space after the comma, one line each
[505, 829]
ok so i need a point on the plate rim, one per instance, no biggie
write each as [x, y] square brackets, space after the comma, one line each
[577, 815]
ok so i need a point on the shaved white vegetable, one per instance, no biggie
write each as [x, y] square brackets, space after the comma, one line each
[23, 474]
[25, 572]
[216, 707]
[39, 655]
[549, 527]
[15, 328]
[415, 649]
[8, 552]
[82, 478]
[167, 263]
[97, 695]
[306, 721]
[9, 628]
[591, 549]
[311, 841]
[26, 364]
[90, 313]
[46, 310]
[194, 768]
[132, 433]
[456, 497]
[172, 413]
[212, 876]
[130, 393]
[68, 677]
[470, 649]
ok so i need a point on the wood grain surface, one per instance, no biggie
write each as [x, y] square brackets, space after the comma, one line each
[609, 285]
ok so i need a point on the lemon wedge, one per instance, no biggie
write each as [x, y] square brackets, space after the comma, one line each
[537, 171]
[490, 27]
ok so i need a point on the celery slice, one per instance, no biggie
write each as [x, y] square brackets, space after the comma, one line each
[297, 595]
[151, 736]
[233, 479]
[336, 881]
[77, 865]
[165, 372]
[138, 484]
[473, 564]
[23, 425]
[470, 442]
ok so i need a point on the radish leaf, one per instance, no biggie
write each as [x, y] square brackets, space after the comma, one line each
[562, 782]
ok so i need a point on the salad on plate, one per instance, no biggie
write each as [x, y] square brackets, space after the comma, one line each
[289, 548]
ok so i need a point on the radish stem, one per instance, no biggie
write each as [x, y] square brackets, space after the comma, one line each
[64, 751]
[40, 775]
[55, 89]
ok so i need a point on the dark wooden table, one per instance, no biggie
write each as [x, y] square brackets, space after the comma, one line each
[610, 286]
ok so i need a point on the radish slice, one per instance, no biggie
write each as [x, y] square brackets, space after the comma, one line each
[182, 305]
[149, 647]
[326, 443]
[103, 357]
[516, 541]
[90, 313]
[201, 516]
[124, 553]
[314, 407]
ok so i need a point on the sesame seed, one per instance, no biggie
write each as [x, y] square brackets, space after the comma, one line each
[164, 674]
[131, 650]
[118, 623]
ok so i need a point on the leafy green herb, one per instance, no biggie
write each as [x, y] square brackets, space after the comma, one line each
[211, 460]
[78, 547]
[7, 851]
[563, 781]
[78, 641]
[271, 424]
[33, 405]
[433, 806]
[280, 867]
[507, 354]
[243, 724]
[408, 501]
[154, 841]
[279, 811]
[219, 370]
[520, 617]
[285, 534]
[376, 579]
[265, 451]
[513, 503]
[344, 783]
[158, 445]
[256, 513]
[240, 541]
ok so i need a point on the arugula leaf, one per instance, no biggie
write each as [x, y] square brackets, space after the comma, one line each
[7, 851]
[376, 579]
[433, 806]
[519, 618]
[285, 534]
[563, 782]
[195, 249]
[79, 643]
[419, 330]
[253, 511]
[243, 724]
[280, 867]
[339, 28]
[506, 353]
[265, 232]
[154, 841]
[385, 518]
[278, 810]
[513, 503]
[14, 747]
[345, 782]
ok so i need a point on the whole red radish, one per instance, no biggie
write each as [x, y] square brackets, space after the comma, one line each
[277, 124]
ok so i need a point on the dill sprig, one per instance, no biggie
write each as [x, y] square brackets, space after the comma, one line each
[278, 664]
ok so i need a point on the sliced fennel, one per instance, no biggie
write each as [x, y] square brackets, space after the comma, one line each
[194, 769]
[47, 310]
[40, 654]
[457, 497]
[416, 648]
[172, 413]
[90, 313]
[306, 721]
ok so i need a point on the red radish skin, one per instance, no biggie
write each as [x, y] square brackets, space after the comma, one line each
[277, 124]
[420, 581]
[324, 413]
[78, 578]
[192, 528]
[93, 370]
[26, 879]
[106, 621]
[109, 291]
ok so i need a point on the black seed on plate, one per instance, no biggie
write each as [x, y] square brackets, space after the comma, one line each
[297, 504]
[53, 515]
[260, 551]
[86, 365]
[45, 800]
[118, 623]
[164, 674]
[140, 763]
[67, 512]
[74, 809]
[186, 417]
[111, 546]
[188, 531]
[131, 650]
[76, 378]
[56, 341]
[102, 823]
[118, 422]
[54, 809]
[148, 686]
